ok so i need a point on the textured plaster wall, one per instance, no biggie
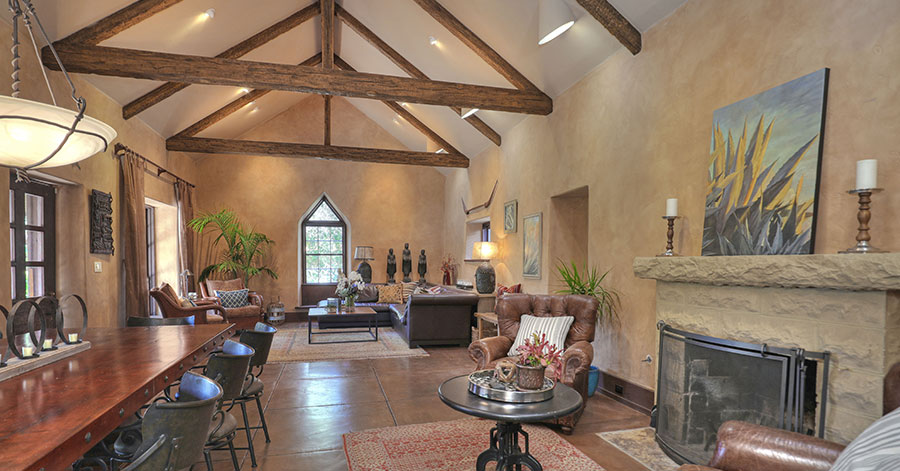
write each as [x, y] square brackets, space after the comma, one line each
[75, 274]
[636, 130]
[386, 205]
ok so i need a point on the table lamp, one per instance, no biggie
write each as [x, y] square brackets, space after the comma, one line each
[364, 253]
[485, 278]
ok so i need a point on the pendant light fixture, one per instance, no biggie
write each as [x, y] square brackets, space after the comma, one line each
[554, 18]
[39, 135]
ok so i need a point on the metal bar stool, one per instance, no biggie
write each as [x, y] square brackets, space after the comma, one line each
[260, 339]
[229, 368]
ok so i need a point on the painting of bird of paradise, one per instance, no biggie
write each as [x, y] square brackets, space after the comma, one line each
[764, 171]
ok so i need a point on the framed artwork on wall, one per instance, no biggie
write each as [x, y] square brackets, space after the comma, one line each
[765, 160]
[510, 215]
[531, 246]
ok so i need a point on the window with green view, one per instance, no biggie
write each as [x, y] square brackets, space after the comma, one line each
[324, 244]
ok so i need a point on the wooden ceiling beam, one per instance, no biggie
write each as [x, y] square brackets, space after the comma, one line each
[315, 151]
[164, 91]
[235, 105]
[407, 66]
[327, 139]
[119, 21]
[408, 116]
[476, 44]
[119, 62]
[615, 23]
[327, 8]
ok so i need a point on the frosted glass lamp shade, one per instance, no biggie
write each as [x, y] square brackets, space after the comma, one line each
[554, 18]
[364, 252]
[484, 250]
[24, 142]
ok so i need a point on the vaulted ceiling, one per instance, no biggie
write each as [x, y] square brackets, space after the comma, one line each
[508, 26]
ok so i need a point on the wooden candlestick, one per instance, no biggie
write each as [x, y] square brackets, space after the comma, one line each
[863, 216]
[670, 235]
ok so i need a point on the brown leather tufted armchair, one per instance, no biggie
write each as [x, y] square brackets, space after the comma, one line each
[254, 310]
[578, 350]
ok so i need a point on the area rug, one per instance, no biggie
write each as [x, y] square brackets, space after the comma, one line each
[291, 345]
[451, 446]
[640, 444]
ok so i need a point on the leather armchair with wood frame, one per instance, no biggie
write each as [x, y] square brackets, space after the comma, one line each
[171, 307]
[255, 310]
[742, 446]
[578, 352]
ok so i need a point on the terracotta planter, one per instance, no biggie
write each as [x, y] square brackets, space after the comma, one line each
[530, 377]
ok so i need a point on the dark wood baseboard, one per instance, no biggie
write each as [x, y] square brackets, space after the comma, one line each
[632, 395]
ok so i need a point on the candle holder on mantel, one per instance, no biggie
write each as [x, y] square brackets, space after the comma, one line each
[863, 216]
[670, 235]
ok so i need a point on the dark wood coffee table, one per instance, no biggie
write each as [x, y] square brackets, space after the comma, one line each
[504, 448]
[359, 313]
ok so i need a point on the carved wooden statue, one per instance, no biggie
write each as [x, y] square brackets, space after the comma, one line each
[423, 267]
[391, 265]
[406, 263]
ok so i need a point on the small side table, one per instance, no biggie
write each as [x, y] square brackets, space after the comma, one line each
[482, 318]
[486, 302]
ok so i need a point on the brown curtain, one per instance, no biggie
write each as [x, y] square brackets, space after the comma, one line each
[184, 195]
[137, 293]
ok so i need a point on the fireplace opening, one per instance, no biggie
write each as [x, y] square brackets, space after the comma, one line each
[705, 381]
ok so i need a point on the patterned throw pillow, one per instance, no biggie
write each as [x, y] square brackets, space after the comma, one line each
[556, 328]
[390, 294]
[501, 290]
[407, 290]
[230, 299]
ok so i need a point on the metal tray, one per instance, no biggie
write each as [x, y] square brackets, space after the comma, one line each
[483, 384]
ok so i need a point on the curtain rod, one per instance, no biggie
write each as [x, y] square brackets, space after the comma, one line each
[122, 149]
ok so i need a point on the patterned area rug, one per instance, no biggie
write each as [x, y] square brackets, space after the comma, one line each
[640, 444]
[291, 345]
[451, 446]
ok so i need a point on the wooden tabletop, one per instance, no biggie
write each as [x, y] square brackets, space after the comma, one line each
[50, 416]
[358, 310]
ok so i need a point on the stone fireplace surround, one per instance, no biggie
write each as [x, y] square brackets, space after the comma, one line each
[846, 304]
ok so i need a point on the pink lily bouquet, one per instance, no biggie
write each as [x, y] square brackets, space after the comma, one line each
[537, 352]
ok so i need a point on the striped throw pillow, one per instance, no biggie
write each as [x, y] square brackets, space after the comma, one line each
[556, 328]
[231, 299]
[876, 449]
[408, 289]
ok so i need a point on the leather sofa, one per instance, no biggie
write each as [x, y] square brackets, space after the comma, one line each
[578, 350]
[741, 446]
[368, 298]
[254, 311]
[436, 319]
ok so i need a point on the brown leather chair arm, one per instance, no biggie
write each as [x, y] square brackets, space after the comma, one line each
[255, 298]
[489, 349]
[576, 359]
[206, 301]
[199, 312]
[695, 467]
[742, 446]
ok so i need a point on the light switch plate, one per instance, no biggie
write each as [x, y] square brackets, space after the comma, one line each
[98, 267]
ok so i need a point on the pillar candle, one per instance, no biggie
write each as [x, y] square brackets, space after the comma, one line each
[48, 344]
[27, 351]
[672, 207]
[866, 174]
[73, 337]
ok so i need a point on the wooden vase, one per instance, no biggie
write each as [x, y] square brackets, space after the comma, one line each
[530, 377]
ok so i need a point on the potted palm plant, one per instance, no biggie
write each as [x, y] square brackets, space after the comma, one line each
[245, 249]
[589, 282]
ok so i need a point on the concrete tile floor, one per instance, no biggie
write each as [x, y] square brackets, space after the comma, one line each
[310, 405]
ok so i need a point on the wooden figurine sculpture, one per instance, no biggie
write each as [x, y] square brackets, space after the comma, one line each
[391, 266]
[406, 263]
[423, 267]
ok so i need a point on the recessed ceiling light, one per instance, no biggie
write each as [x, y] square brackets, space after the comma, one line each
[466, 112]
[554, 18]
[441, 151]
[210, 14]
[254, 110]
[245, 90]
[403, 103]
[432, 40]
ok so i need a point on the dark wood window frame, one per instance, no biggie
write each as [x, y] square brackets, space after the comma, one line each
[48, 192]
[486, 232]
[305, 223]
[150, 219]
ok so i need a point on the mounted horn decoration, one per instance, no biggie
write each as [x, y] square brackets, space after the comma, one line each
[482, 205]
[38, 135]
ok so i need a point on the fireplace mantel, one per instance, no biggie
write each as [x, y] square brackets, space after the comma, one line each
[850, 272]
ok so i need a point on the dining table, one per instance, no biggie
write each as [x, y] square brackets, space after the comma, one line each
[52, 415]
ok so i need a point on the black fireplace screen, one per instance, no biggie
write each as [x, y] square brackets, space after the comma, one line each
[705, 381]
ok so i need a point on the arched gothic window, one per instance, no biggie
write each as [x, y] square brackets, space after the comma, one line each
[324, 243]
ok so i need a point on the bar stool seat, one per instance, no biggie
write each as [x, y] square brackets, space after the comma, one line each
[219, 429]
[252, 387]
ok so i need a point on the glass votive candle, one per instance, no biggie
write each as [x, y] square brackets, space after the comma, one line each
[27, 351]
[73, 337]
[48, 344]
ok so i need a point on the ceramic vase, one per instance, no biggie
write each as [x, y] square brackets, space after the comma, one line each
[530, 377]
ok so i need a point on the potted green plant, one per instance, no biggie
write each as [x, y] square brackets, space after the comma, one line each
[244, 251]
[589, 282]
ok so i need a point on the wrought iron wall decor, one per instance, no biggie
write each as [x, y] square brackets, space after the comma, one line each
[101, 223]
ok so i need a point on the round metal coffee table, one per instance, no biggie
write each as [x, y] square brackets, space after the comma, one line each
[504, 438]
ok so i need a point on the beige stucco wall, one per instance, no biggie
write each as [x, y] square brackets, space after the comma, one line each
[386, 205]
[75, 274]
[636, 130]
